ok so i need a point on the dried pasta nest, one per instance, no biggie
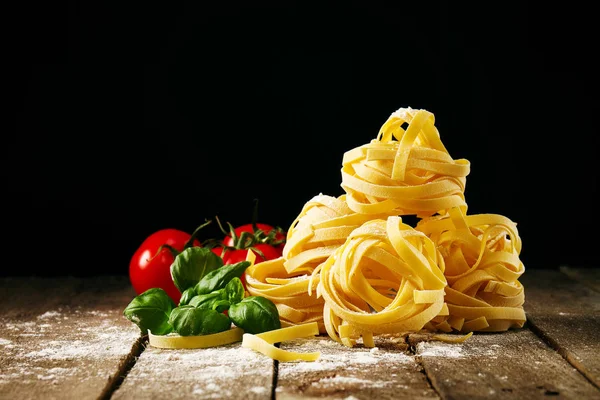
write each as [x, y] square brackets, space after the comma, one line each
[405, 170]
[386, 278]
[288, 291]
[322, 226]
[481, 254]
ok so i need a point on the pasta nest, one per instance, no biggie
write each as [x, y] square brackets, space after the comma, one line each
[322, 226]
[481, 254]
[289, 292]
[387, 277]
[404, 171]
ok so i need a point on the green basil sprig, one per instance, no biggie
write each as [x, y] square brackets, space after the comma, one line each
[208, 288]
[235, 290]
[191, 265]
[255, 314]
[219, 278]
[150, 311]
[220, 300]
[187, 296]
[189, 320]
[206, 301]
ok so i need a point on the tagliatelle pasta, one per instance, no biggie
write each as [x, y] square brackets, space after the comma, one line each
[353, 260]
[481, 253]
[195, 342]
[263, 342]
[322, 226]
[288, 292]
[290, 333]
[404, 171]
[387, 277]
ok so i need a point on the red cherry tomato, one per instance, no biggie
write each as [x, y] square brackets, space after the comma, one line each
[148, 271]
[266, 228]
[234, 256]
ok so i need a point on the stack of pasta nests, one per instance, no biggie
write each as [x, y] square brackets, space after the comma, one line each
[354, 266]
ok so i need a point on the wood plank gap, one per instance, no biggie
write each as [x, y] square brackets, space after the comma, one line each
[419, 360]
[63, 338]
[560, 350]
[224, 372]
[275, 378]
[515, 364]
[565, 314]
[123, 369]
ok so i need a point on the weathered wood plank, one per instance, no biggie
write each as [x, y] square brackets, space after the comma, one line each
[587, 276]
[388, 371]
[64, 338]
[224, 372]
[25, 297]
[507, 365]
[567, 315]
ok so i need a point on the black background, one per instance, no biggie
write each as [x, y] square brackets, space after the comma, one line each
[132, 119]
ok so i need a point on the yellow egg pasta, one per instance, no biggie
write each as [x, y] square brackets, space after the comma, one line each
[481, 254]
[257, 344]
[263, 342]
[290, 333]
[351, 264]
[387, 277]
[195, 342]
[289, 292]
[404, 171]
[322, 225]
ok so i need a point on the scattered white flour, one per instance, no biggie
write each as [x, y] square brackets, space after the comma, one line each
[98, 313]
[46, 377]
[62, 371]
[340, 366]
[101, 342]
[84, 339]
[259, 390]
[336, 381]
[212, 387]
[210, 392]
[219, 366]
[49, 314]
[435, 349]
[21, 326]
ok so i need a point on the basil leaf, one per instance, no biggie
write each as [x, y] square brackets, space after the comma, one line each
[255, 314]
[150, 311]
[221, 305]
[191, 265]
[186, 296]
[219, 278]
[214, 322]
[189, 320]
[235, 290]
[205, 301]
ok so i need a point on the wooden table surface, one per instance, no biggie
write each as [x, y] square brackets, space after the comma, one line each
[66, 338]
